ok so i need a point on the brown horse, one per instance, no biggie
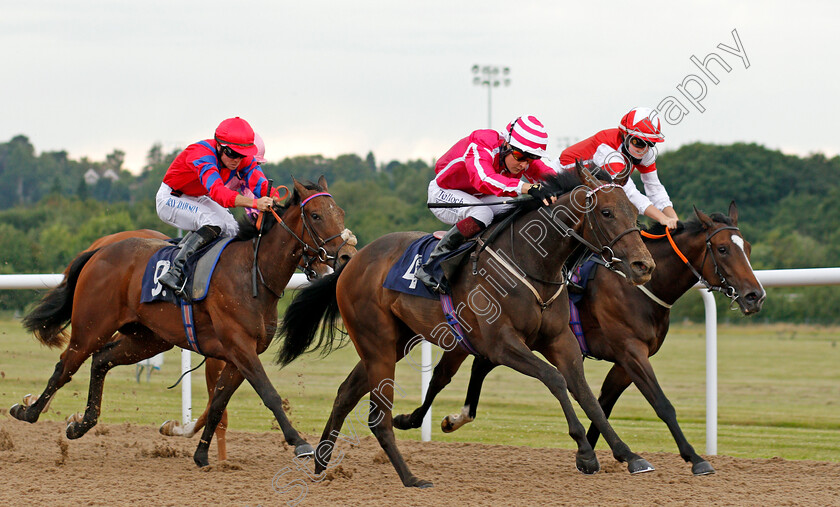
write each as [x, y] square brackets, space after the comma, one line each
[101, 295]
[626, 326]
[503, 322]
[212, 368]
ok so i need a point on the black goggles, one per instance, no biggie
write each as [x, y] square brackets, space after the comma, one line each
[229, 153]
[640, 143]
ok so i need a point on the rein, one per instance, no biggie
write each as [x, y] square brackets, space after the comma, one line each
[320, 252]
[606, 252]
[724, 288]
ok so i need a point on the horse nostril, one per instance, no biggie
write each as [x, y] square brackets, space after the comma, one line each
[344, 259]
[641, 267]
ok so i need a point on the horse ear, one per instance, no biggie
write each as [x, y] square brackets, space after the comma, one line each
[733, 213]
[322, 182]
[622, 177]
[299, 188]
[584, 174]
[704, 218]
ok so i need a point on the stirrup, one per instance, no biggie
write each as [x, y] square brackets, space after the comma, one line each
[574, 288]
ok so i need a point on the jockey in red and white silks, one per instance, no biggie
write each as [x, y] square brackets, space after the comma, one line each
[485, 167]
[629, 146]
[488, 166]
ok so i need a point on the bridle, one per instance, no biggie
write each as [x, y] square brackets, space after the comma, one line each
[310, 254]
[606, 252]
[725, 287]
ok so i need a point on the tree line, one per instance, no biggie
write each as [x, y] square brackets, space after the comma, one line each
[788, 207]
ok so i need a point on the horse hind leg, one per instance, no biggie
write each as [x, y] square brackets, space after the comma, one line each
[441, 376]
[127, 349]
[480, 369]
[79, 348]
[354, 387]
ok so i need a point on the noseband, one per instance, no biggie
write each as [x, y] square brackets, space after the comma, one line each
[725, 287]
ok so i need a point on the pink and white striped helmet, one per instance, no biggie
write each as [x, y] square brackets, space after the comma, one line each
[260, 156]
[527, 134]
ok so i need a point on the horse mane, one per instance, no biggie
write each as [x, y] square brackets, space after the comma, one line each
[558, 184]
[248, 230]
[692, 226]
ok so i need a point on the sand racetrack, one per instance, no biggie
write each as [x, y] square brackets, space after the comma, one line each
[129, 464]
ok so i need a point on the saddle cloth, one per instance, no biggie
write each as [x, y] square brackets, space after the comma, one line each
[198, 272]
[401, 276]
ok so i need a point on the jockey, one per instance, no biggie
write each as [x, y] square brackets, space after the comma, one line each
[485, 167]
[205, 179]
[629, 147]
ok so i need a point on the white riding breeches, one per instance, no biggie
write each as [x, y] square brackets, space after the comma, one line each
[452, 216]
[190, 213]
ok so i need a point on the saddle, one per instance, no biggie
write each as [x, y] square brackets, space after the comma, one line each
[198, 272]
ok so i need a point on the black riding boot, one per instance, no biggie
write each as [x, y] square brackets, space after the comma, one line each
[449, 243]
[191, 243]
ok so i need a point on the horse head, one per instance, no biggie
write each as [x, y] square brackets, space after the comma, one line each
[610, 224]
[726, 261]
[326, 241]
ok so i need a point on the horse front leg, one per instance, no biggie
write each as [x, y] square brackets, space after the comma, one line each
[563, 352]
[615, 383]
[229, 381]
[248, 363]
[481, 367]
[517, 356]
[637, 364]
[441, 376]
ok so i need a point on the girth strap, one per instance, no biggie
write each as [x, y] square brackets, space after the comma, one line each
[522, 279]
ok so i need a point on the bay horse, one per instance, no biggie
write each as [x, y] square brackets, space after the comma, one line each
[503, 323]
[313, 268]
[101, 296]
[626, 326]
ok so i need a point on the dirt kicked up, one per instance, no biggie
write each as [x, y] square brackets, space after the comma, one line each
[129, 464]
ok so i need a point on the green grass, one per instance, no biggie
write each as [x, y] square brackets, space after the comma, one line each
[779, 394]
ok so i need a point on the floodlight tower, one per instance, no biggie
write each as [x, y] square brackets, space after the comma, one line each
[490, 76]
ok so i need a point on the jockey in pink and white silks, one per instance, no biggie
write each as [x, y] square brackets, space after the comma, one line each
[630, 147]
[203, 181]
[485, 167]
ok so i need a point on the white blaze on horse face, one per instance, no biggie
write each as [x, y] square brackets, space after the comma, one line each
[739, 242]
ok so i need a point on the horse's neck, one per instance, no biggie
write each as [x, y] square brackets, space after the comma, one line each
[672, 277]
[540, 246]
[279, 252]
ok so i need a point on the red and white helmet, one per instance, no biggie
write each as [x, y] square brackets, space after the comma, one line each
[260, 156]
[238, 134]
[527, 134]
[641, 122]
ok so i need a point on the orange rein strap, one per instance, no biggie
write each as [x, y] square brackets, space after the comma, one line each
[670, 240]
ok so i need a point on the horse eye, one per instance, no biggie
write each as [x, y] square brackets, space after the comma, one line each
[607, 213]
[722, 249]
[315, 216]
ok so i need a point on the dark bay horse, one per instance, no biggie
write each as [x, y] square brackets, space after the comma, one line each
[506, 311]
[101, 296]
[626, 326]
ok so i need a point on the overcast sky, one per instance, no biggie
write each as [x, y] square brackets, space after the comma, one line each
[395, 77]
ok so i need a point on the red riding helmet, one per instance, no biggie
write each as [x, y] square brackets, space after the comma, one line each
[639, 123]
[238, 135]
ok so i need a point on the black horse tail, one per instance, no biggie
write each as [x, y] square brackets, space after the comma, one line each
[49, 319]
[312, 305]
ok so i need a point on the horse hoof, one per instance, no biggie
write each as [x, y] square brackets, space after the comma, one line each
[17, 411]
[639, 466]
[74, 431]
[588, 466]
[702, 468]
[446, 425]
[171, 428]
[400, 422]
[304, 449]
[420, 484]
